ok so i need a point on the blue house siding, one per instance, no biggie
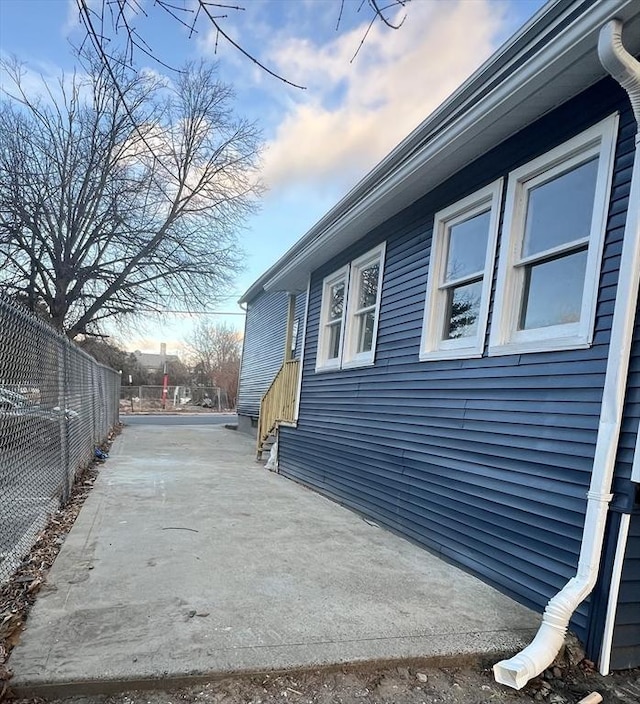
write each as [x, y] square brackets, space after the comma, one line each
[263, 351]
[486, 461]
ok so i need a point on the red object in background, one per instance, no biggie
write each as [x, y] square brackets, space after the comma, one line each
[165, 387]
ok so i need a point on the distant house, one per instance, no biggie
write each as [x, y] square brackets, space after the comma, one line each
[468, 370]
[155, 362]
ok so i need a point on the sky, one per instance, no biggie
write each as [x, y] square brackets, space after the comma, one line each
[319, 142]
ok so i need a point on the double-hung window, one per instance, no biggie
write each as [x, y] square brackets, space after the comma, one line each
[334, 293]
[349, 313]
[553, 234]
[362, 309]
[459, 279]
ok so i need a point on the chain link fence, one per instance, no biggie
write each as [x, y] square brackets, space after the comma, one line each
[148, 399]
[56, 405]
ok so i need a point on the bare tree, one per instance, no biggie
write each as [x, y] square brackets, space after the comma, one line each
[122, 198]
[112, 25]
[216, 353]
[114, 356]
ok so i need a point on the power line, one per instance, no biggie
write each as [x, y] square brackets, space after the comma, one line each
[205, 312]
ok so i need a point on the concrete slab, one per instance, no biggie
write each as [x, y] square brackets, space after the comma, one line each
[190, 560]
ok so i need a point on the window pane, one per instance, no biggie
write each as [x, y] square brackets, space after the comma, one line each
[463, 310]
[334, 341]
[560, 210]
[368, 286]
[336, 303]
[468, 246]
[553, 292]
[365, 331]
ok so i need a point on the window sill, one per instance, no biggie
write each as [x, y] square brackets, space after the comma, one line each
[327, 368]
[353, 364]
[356, 363]
[557, 344]
[441, 355]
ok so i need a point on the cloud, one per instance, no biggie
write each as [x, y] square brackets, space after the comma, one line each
[355, 112]
[40, 80]
[72, 19]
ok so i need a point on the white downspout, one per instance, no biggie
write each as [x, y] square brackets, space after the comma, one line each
[541, 652]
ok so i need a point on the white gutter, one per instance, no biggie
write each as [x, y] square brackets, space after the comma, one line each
[541, 652]
[512, 89]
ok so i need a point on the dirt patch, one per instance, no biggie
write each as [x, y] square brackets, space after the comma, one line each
[397, 685]
[19, 593]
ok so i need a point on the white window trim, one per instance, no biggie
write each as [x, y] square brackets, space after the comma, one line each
[505, 338]
[432, 346]
[322, 363]
[352, 359]
[348, 359]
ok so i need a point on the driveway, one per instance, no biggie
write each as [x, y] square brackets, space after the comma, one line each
[190, 560]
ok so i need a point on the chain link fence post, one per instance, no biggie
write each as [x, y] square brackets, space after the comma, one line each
[62, 419]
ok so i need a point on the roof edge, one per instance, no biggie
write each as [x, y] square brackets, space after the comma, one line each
[471, 97]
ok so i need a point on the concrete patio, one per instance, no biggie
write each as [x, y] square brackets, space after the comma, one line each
[189, 561]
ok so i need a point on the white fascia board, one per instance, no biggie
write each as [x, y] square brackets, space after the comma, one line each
[526, 93]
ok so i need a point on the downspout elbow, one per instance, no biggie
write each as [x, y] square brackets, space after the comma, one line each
[620, 64]
[535, 658]
[543, 649]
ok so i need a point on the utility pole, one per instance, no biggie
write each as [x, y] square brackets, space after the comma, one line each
[165, 387]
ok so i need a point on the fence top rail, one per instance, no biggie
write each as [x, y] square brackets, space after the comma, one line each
[17, 310]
